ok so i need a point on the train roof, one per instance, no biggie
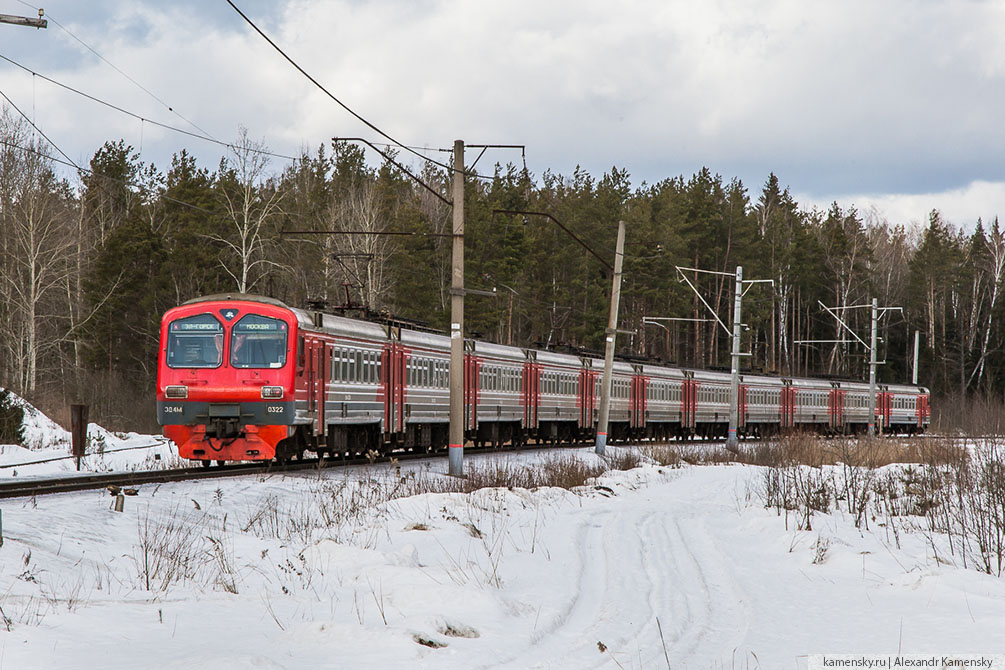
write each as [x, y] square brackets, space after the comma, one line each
[418, 336]
[246, 297]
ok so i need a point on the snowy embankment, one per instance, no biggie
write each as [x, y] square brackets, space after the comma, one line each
[638, 568]
[45, 448]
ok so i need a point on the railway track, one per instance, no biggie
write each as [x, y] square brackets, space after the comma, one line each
[31, 486]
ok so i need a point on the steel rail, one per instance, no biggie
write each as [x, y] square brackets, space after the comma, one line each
[35, 486]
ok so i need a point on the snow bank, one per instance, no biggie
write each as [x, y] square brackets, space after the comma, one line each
[334, 570]
[45, 440]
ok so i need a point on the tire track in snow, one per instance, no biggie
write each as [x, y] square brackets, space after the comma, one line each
[663, 556]
[717, 618]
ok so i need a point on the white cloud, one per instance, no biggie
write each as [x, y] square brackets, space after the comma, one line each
[897, 97]
[961, 207]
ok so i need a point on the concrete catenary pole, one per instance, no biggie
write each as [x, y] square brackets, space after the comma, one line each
[612, 331]
[872, 370]
[734, 380]
[455, 452]
[914, 370]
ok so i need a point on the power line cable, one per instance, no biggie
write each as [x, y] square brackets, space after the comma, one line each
[165, 126]
[341, 104]
[203, 134]
[69, 162]
[324, 90]
[138, 117]
[66, 30]
[162, 196]
[37, 129]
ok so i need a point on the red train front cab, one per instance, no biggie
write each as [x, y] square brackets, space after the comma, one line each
[225, 377]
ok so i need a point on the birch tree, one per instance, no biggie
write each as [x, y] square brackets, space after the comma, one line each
[359, 259]
[251, 203]
[37, 248]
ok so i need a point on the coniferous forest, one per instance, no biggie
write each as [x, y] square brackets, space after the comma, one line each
[89, 263]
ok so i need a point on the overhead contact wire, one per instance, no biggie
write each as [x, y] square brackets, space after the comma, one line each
[112, 65]
[341, 104]
[138, 116]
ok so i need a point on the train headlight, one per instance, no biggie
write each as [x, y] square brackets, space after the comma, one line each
[176, 391]
[272, 391]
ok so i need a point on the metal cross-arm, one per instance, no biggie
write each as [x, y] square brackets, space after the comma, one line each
[843, 324]
[680, 270]
[526, 212]
[25, 21]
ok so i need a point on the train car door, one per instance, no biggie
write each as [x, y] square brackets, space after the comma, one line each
[637, 401]
[741, 406]
[323, 366]
[921, 409]
[835, 407]
[530, 390]
[472, 386]
[788, 404]
[311, 374]
[688, 400]
[393, 368]
[586, 397]
[883, 406]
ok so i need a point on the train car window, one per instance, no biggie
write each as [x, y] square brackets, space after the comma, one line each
[258, 342]
[300, 353]
[195, 342]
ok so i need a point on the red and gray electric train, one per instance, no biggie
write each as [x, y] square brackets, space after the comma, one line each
[244, 378]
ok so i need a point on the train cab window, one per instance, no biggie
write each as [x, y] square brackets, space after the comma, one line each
[258, 342]
[195, 342]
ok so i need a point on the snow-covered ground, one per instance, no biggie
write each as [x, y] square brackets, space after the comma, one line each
[47, 446]
[302, 571]
[650, 568]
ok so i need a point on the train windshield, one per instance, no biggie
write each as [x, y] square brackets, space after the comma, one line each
[195, 342]
[258, 342]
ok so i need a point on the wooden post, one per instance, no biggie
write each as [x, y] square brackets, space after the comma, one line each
[78, 431]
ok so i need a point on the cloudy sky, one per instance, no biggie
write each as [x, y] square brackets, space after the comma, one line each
[893, 105]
